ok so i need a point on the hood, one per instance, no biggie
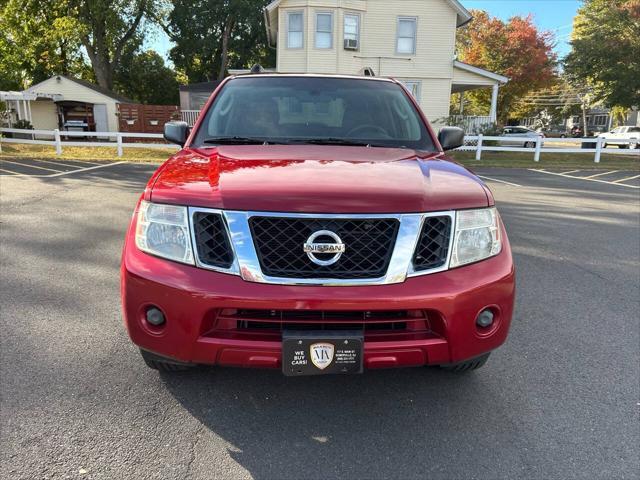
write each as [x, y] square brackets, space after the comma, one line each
[316, 179]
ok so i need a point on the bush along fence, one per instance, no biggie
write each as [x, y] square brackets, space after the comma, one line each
[478, 143]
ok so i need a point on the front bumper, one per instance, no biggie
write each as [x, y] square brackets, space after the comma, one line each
[194, 301]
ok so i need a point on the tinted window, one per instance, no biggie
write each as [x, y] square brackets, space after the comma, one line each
[634, 129]
[299, 109]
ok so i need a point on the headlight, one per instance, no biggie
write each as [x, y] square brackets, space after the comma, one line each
[476, 236]
[163, 230]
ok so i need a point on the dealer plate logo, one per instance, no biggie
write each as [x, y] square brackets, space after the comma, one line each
[321, 354]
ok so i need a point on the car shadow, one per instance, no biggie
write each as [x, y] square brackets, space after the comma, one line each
[383, 424]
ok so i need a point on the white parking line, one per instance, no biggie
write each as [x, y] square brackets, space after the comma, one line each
[499, 181]
[62, 164]
[583, 178]
[31, 166]
[60, 174]
[85, 169]
[603, 173]
[570, 171]
[625, 179]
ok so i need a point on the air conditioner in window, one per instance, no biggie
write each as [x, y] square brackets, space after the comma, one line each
[350, 44]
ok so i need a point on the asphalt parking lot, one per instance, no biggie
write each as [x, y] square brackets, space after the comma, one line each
[559, 400]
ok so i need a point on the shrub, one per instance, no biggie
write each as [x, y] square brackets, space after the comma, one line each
[23, 125]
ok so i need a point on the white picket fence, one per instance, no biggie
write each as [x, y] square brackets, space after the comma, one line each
[60, 139]
[476, 143]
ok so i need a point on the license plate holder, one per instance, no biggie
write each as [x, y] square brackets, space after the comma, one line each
[322, 352]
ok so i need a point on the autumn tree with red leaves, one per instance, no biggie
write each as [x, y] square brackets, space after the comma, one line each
[515, 49]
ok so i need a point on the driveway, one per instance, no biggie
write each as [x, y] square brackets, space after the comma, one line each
[560, 400]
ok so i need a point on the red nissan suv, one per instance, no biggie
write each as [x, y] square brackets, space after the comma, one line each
[313, 224]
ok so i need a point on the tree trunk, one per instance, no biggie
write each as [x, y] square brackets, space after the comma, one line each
[101, 66]
[228, 28]
[585, 129]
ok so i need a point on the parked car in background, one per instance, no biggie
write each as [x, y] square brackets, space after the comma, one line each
[314, 224]
[555, 131]
[615, 136]
[520, 137]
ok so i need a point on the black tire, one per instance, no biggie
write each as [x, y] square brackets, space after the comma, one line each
[468, 365]
[623, 146]
[162, 364]
[529, 144]
[563, 136]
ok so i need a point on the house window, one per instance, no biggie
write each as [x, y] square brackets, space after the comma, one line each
[295, 32]
[406, 42]
[600, 120]
[324, 30]
[414, 87]
[351, 32]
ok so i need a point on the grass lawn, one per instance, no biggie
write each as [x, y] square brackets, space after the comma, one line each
[583, 161]
[489, 159]
[154, 155]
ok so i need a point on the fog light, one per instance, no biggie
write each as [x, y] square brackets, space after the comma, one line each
[155, 317]
[485, 319]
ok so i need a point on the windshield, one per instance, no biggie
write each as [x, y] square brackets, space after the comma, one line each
[298, 110]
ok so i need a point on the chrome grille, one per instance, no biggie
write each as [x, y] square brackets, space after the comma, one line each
[279, 244]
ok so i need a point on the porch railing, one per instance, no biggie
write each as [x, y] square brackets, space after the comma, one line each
[471, 124]
[190, 116]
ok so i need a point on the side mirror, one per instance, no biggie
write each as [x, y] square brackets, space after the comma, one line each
[451, 138]
[176, 132]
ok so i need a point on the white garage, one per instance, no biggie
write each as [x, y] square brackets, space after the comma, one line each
[66, 103]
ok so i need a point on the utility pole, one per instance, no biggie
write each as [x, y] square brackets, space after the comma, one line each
[585, 128]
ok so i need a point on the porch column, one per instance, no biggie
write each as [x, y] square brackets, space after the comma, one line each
[461, 103]
[494, 104]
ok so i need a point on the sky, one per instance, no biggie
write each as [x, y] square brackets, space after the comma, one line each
[554, 15]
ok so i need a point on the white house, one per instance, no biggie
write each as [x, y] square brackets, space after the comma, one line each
[411, 40]
[66, 103]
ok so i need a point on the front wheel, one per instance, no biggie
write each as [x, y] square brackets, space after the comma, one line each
[467, 365]
[529, 145]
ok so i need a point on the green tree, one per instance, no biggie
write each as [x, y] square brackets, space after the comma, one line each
[515, 49]
[108, 29]
[212, 36]
[39, 40]
[145, 78]
[606, 51]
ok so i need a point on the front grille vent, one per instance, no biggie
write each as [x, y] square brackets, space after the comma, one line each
[433, 247]
[279, 244]
[212, 242]
[254, 320]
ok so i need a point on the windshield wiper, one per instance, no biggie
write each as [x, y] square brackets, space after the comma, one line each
[235, 140]
[337, 141]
